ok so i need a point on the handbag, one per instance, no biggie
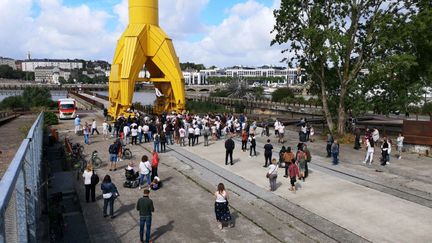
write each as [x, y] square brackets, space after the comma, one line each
[115, 195]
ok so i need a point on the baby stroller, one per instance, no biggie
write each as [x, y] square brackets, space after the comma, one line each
[132, 179]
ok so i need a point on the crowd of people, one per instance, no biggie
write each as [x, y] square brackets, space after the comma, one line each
[170, 129]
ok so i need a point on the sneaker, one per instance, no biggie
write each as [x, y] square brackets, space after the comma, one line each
[387, 163]
[139, 187]
[364, 162]
[250, 156]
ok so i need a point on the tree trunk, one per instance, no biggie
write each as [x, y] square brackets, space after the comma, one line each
[341, 110]
[327, 113]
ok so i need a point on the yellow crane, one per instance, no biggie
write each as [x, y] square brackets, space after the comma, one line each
[145, 44]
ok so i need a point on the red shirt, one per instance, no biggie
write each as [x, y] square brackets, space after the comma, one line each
[155, 160]
[293, 170]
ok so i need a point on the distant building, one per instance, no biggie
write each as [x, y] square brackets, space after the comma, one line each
[51, 75]
[30, 65]
[193, 77]
[8, 61]
[291, 75]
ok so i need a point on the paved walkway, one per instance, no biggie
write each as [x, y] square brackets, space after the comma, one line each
[184, 211]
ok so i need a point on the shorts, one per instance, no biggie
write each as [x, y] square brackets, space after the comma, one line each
[113, 158]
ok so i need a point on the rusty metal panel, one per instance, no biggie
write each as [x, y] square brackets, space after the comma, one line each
[418, 132]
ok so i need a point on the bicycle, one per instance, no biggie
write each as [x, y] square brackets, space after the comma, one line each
[95, 160]
[126, 153]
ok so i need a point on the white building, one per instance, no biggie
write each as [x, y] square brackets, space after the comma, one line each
[291, 75]
[30, 65]
[8, 61]
[51, 74]
[193, 77]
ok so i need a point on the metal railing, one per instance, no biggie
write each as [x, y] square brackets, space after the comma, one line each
[19, 189]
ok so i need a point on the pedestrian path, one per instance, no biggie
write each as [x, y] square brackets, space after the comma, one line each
[371, 214]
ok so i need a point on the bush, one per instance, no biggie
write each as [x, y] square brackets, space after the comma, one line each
[204, 107]
[282, 93]
[13, 103]
[50, 118]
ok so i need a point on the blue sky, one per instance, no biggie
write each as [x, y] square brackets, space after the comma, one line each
[212, 32]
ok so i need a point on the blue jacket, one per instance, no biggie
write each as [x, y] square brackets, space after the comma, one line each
[77, 121]
[108, 187]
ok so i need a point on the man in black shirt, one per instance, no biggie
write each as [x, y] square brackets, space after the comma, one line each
[229, 146]
[145, 208]
[268, 150]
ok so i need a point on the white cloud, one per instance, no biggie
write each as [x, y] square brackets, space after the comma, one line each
[59, 31]
[243, 38]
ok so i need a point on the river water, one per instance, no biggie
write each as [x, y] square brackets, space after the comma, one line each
[146, 97]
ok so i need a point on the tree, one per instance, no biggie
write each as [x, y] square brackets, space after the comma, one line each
[333, 40]
[282, 93]
[427, 108]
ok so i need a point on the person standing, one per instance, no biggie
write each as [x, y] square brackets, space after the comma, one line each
[191, 136]
[229, 148]
[113, 152]
[77, 123]
[272, 174]
[329, 144]
[357, 139]
[268, 151]
[244, 137]
[294, 173]
[145, 170]
[308, 159]
[182, 135]
[288, 157]
[126, 134]
[375, 136]
[89, 187]
[281, 132]
[252, 141]
[207, 133]
[163, 142]
[154, 165]
[105, 130]
[146, 132]
[134, 135]
[145, 208]
[399, 143]
[369, 151]
[86, 133]
[335, 152]
[109, 192]
[384, 151]
[94, 128]
[156, 142]
[221, 206]
[197, 133]
[301, 163]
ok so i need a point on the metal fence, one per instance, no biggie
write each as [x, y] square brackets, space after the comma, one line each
[19, 189]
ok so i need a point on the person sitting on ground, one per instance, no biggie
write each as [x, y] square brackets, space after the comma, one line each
[156, 183]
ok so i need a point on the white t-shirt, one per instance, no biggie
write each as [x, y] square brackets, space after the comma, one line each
[400, 141]
[139, 129]
[126, 130]
[105, 126]
[87, 177]
[281, 129]
[272, 169]
[221, 197]
[191, 130]
[146, 128]
[134, 132]
[197, 131]
[182, 132]
[94, 125]
[144, 167]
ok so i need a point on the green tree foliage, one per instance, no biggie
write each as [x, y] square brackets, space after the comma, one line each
[13, 103]
[204, 107]
[189, 65]
[8, 72]
[334, 41]
[50, 118]
[281, 94]
[427, 109]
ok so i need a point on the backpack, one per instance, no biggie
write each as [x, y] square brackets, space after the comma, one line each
[113, 149]
[94, 179]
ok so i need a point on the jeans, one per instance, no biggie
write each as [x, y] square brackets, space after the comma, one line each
[206, 140]
[156, 146]
[134, 140]
[163, 147]
[86, 139]
[182, 141]
[335, 158]
[145, 220]
[141, 179]
[169, 138]
[146, 138]
[140, 136]
[109, 201]
[272, 180]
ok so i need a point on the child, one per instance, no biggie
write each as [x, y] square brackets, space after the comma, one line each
[156, 184]
[294, 173]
